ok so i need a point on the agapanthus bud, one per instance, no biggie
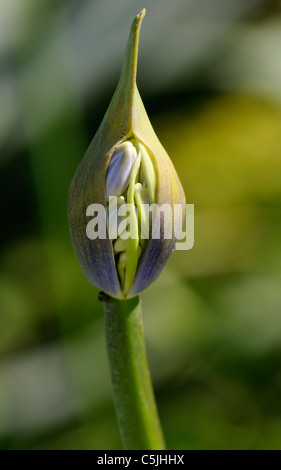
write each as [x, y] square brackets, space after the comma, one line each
[125, 161]
[120, 168]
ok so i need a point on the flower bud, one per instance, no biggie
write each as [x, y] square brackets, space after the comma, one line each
[126, 160]
[120, 168]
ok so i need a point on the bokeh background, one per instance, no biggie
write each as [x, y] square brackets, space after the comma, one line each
[210, 78]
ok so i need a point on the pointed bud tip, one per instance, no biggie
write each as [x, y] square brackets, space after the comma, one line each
[142, 13]
[139, 18]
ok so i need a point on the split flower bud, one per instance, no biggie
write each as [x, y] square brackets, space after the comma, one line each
[125, 167]
[130, 172]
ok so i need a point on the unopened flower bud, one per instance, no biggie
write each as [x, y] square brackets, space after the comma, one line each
[125, 160]
[119, 169]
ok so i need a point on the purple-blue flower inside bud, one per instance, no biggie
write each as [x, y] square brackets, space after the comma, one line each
[119, 169]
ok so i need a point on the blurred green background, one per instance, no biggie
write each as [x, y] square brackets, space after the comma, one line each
[210, 78]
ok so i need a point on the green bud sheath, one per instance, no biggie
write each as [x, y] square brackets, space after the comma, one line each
[125, 119]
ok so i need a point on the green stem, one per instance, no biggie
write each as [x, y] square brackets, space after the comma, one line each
[132, 389]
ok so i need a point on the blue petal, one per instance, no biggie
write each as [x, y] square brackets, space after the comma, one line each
[119, 169]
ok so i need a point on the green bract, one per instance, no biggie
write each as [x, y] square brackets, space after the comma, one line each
[124, 158]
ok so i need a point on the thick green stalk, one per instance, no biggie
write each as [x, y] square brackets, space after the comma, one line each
[132, 388]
